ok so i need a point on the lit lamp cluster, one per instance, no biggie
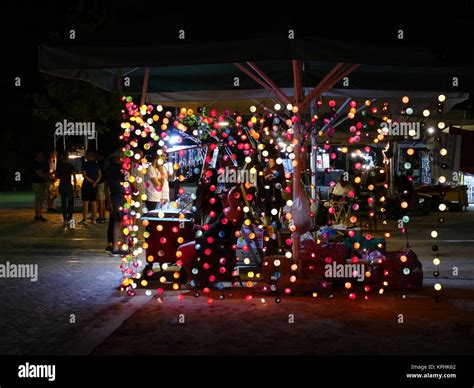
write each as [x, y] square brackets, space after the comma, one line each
[148, 128]
[261, 131]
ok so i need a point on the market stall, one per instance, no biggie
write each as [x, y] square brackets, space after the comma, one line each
[284, 122]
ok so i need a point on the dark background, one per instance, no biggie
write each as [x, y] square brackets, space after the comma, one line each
[29, 112]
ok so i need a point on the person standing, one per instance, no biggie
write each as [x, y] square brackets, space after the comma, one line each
[101, 188]
[65, 173]
[40, 179]
[92, 175]
[156, 182]
[114, 192]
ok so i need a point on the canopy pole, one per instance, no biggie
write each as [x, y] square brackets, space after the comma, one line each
[314, 93]
[297, 161]
[269, 82]
[333, 77]
[145, 85]
[282, 98]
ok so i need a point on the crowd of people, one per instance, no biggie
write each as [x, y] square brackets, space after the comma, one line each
[101, 191]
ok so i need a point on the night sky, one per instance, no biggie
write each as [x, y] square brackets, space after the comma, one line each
[26, 24]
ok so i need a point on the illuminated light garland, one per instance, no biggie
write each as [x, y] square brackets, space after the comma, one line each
[264, 128]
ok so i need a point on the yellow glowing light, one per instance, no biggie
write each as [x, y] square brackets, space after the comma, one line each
[403, 258]
[434, 234]
[348, 285]
[404, 205]
[441, 98]
[436, 261]
[410, 151]
[442, 179]
[162, 279]
[405, 99]
[344, 150]
[438, 287]
[357, 179]
[356, 245]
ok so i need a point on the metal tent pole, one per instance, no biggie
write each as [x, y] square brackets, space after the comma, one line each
[297, 161]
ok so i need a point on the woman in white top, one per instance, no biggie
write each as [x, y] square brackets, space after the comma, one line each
[156, 184]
